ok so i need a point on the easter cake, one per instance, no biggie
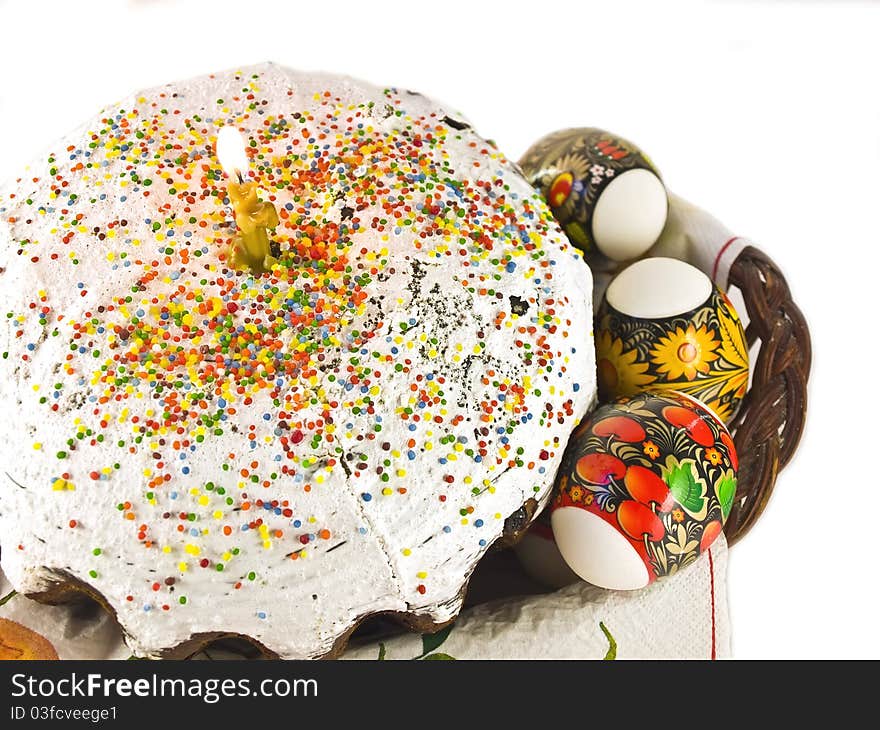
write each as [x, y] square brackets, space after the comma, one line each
[210, 452]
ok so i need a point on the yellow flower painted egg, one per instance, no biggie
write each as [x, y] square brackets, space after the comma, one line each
[645, 487]
[663, 325]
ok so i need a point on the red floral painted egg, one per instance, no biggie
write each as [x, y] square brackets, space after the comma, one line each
[645, 487]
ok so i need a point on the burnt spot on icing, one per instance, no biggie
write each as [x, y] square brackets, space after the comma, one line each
[518, 305]
[455, 123]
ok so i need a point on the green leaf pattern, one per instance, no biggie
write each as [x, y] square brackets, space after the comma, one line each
[611, 654]
[433, 641]
[686, 486]
[725, 488]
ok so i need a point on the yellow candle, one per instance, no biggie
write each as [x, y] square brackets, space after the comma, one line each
[249, 250]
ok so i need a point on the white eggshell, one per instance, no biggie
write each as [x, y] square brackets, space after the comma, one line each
[596, 551]
[630, 215]
[657, 288]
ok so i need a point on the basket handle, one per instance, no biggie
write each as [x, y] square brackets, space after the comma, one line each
[770, 421]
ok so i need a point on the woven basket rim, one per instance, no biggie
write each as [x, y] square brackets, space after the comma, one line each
[768, 426]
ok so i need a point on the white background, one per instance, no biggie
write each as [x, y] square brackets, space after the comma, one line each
[766, 114]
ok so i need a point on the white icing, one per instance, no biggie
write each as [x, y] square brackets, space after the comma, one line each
[382, 553]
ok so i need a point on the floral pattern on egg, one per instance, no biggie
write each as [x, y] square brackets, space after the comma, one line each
[660, 469]
[572, 168]
[702, 352]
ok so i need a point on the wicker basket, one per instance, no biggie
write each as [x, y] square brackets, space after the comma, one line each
[770, 422]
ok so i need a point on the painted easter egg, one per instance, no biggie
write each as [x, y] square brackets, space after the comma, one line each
[540, 557]
[663, 325]
[604, 191]
[18, 642]
[645, 487]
